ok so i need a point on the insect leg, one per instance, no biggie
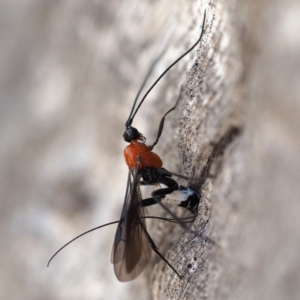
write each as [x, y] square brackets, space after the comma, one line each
[162, 121]
[160, 194]
[155, 249]
[187, 197]
[193, 200]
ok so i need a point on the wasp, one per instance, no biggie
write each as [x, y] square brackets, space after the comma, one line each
[133, 244]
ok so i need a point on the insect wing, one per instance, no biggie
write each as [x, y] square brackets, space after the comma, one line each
[131, 250]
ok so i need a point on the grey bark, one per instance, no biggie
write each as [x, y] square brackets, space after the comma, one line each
[69, 73]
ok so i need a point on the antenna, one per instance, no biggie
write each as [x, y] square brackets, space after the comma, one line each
[131, 117]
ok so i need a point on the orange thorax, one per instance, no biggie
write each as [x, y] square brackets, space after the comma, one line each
[146, 158]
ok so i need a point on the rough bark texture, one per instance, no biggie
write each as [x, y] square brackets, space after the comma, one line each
[69, 72]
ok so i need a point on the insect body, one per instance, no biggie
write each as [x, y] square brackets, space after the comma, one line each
[152, 173]
[131, 250]
[132, 244]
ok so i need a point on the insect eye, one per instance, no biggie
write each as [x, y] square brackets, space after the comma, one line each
[131, 134]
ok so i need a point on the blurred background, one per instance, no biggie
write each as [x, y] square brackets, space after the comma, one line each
[69, 73]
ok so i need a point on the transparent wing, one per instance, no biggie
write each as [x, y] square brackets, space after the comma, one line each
[131, 250]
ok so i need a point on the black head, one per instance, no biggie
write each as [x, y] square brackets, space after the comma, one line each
[131, 134]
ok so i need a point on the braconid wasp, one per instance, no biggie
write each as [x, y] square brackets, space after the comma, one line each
[132, 246]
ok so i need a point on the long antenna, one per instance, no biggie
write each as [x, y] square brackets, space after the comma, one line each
[129, 121]
[77, 237]
[150, 71]
[188, 220]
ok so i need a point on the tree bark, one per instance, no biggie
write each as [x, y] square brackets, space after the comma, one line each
[239, 140]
